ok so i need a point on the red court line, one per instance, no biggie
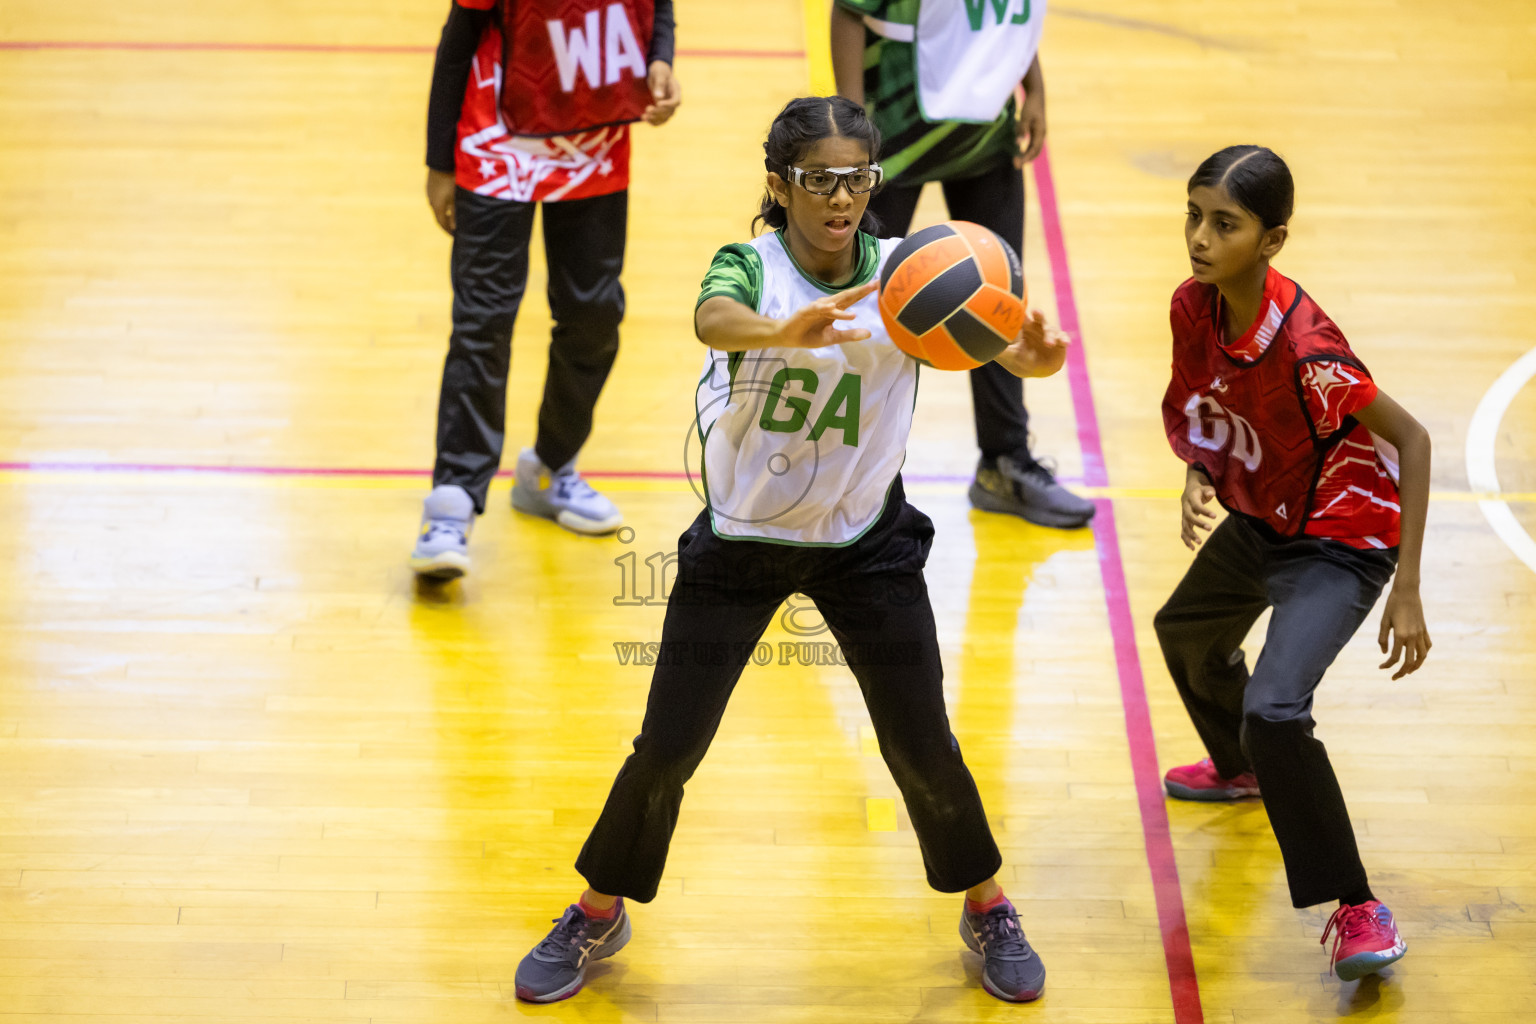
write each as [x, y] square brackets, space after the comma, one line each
[171, 468]
[174, 468]
[212, 46]
[1182, 983]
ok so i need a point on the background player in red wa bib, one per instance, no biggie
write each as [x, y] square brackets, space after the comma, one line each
[531, 103]
[1282, 424]
[939, 78]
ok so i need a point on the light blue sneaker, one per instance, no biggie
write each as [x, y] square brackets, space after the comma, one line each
[557, 967]
[1012, 971]
[442, 547]
[562, 495]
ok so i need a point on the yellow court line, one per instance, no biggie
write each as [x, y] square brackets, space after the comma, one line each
[817, 22]
[880, 812]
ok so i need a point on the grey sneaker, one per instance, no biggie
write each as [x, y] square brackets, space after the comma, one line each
[557, 967]
[442, 547]
[562, 495]
[1029, 490]
[1012, 971]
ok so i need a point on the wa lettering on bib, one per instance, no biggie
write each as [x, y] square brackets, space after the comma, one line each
[801, 446]
[602, 48]
[574, 65]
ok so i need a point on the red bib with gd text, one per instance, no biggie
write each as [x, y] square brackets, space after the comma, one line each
[1246, 422]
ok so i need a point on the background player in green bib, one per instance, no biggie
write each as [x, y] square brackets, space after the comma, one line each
[804, 407]
[938, 77]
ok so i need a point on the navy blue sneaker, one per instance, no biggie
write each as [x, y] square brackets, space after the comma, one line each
[1012, 972]
[557, 966]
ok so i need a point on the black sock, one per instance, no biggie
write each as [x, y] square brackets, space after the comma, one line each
[1357, 897]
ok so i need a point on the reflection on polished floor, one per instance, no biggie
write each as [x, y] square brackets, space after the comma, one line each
[250, 771]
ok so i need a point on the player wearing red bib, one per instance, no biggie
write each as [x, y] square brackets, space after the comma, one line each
[531, 104]
[1280, 422]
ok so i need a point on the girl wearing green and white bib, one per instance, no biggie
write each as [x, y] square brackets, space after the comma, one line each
[804, 408]
[938, 78]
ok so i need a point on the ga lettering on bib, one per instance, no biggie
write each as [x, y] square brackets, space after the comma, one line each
[801, 445]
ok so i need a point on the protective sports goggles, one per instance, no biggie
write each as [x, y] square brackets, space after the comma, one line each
[857, 180]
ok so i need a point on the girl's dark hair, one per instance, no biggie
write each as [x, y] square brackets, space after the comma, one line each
[800, 125]
[1256, 177]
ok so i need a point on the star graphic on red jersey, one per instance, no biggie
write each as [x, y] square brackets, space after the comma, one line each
[487, 169]
[1332, 382]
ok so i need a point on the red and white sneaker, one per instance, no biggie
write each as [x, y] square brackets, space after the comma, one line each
[1365, 939]
[1199, 781]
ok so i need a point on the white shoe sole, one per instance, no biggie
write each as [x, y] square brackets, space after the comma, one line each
[1361, 964]
[445, 565]
[1179, 791]
[565, 517]
[592, 527]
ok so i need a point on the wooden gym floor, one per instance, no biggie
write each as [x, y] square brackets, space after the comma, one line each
[250, 772]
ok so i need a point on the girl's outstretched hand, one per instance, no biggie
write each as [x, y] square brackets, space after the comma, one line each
[815, 325]
[1198, 493]
[1038, 351]
[1403, 618]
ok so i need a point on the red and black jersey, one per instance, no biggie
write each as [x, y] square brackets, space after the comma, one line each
[490, 160]
[1269, 418]
[497, 137]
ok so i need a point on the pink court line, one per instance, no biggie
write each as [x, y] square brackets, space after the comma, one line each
[173, 468]
[301, 471]
[1183, 986]
[360, 48]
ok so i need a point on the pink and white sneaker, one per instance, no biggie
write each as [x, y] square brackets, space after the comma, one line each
[1199, 781]
[1365, 939]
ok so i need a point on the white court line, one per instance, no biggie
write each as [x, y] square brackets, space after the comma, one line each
[1482, 436]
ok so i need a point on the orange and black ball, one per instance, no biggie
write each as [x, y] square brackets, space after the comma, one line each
[952, 296]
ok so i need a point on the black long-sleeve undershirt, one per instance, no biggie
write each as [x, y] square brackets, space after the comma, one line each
[456, 55]
[663, 33]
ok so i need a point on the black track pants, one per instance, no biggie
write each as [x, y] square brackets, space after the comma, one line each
[1321, 591]
[873, 597]
[584, 248]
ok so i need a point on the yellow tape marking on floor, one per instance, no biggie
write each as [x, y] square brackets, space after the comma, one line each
[881, 813]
